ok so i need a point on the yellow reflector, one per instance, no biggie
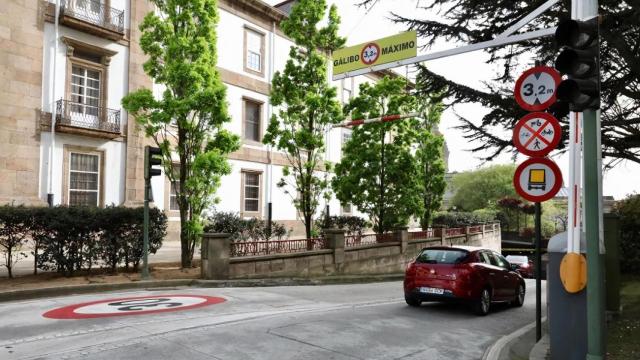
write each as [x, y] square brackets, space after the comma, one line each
[573, 272]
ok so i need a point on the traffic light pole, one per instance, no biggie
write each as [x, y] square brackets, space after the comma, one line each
[595, 279]
[585, 10]
[145, 242]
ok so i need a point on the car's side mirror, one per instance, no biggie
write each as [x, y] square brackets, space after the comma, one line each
[514, 267]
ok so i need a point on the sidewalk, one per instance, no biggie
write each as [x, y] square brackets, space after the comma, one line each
[168, 253]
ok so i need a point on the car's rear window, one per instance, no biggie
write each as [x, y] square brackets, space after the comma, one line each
[441, 256]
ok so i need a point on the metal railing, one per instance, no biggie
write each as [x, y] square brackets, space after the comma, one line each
[475, 229]
[424, 234]
[94, 12]
[368, 239]
[89, 117]
[252, 248]
[454, 231]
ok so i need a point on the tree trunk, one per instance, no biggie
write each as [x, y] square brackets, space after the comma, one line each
[185, 259]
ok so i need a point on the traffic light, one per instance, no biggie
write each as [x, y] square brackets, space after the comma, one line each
[151, 158]
[579, 60]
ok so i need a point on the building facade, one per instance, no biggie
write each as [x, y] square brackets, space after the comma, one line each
[93, 155]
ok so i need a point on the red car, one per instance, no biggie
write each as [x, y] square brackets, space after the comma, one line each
[460, 273]
[522, 264]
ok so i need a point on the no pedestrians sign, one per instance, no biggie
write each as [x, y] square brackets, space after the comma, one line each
[536, 134]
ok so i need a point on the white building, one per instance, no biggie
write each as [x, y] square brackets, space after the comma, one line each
[95, 155]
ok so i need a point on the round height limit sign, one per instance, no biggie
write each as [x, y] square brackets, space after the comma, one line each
[536, 88]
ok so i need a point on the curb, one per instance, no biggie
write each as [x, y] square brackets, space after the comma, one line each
[13, 295]
[504, 343]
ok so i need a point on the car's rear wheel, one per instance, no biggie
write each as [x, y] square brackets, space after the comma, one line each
[412, 301]
[482, 305]
[519, 299]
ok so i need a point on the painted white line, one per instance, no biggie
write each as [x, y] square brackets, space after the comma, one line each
[493, 353]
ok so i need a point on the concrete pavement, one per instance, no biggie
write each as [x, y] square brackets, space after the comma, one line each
[355, 321]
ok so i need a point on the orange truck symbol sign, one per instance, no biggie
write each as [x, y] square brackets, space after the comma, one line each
[537, 179]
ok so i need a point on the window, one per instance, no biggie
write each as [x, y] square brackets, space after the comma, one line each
[173, 196]
[85, 90]
[346, 136]
[501, 261]
[484, 257]
[442, 256]
[252, 116]
[84, 179]
[254, 51]
[347, 90]
[346, 209]
[251, 192]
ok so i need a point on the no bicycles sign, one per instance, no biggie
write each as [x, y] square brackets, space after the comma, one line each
[536, 134]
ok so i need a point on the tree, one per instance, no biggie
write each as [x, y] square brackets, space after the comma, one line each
[628, 210]
[429, 162]
[472, 21]
[479, 188]
[187, 121]
[308, 105]
[377, 172]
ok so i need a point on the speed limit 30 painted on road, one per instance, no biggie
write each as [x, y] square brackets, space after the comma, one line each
[536, 88]
[139, 305]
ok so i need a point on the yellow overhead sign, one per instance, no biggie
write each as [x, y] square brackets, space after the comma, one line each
[382, 51]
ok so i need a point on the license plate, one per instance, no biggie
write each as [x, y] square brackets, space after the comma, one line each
[430, 290]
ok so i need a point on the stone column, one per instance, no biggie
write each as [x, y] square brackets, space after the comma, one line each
[443, 234]
[335, 241]
[215, 255]
[466, 233]
[402, 235]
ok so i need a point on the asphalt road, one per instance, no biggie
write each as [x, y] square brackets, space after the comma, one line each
[363, 321]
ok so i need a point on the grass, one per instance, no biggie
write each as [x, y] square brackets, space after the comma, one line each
[624, 333]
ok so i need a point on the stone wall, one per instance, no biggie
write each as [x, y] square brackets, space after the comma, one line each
[382, 258]
[21, 35]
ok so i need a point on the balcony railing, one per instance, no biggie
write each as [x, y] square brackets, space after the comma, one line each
[94, 12]
[88, 117]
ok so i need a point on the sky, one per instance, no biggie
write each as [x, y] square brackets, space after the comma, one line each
[469, 69]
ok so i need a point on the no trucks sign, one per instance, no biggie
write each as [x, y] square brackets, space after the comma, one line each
[382, 51]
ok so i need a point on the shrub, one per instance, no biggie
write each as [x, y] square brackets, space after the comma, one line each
[353, 225]
[460, 219]
[14, 231]
[629, 212]
[68, 239]
[243, 230]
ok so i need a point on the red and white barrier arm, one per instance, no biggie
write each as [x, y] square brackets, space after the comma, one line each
[377, 119]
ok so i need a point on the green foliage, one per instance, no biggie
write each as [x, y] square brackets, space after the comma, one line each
[244, 230]
[68, 239]
[473, 21]
[354, 225]
[14, 231]
[629, 212]
[479, 189]
[189, 117]
[429, 161]
[308, 105]
[377, 172]
[461, 219]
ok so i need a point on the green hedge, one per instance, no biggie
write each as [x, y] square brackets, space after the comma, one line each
[67, 239]
[629, 212]
[460, 219]
[243, 229]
